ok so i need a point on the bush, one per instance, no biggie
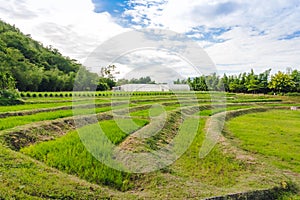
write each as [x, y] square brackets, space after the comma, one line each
[9, 97]
[46, 95]
[34, 95]
[40, 95]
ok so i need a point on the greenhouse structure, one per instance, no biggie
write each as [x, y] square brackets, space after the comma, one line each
[152, 87]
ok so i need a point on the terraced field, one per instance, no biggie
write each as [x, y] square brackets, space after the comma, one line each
[48, 146]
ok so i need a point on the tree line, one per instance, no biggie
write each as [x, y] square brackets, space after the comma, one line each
[281, 82]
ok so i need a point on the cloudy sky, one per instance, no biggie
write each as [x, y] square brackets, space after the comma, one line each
[236, 34]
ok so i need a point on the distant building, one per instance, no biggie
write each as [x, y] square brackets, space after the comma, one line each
[152, 87]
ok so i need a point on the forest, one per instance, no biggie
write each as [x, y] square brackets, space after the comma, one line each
[35, 67]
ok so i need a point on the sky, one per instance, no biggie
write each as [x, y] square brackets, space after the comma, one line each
[237, 35]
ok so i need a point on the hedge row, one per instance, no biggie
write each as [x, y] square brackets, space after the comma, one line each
[65, 94]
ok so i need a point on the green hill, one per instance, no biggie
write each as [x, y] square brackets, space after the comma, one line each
[33, 66]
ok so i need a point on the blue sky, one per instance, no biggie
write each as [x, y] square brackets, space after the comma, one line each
[237, 35]
[114, 7]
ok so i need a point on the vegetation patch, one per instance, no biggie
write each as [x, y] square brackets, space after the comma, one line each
[69, 154]
[274, 134]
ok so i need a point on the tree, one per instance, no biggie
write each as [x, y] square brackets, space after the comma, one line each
[281, 82]
[212, 82]
[107, 80]
[198, 84]
[225, 81]
[296, 78]
[7, 82]
[34, 67]
[264, 81]
[141, 80]
[109, 72]
[8, 93]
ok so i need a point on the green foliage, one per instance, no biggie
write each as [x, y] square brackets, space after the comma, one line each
[248, 82]
[107, 80]
[141, 80]
[296, 78]
[8, 93]
[7, 82]
[34, 67]
[198, 83]
[281, 82]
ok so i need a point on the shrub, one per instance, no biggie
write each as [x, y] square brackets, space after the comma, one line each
[10, 97]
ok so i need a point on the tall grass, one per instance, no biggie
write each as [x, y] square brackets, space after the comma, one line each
[69, 154]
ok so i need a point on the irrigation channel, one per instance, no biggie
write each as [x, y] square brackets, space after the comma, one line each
[43, 156]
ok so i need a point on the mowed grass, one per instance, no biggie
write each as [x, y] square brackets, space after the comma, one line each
[275, 134]
[69, 154]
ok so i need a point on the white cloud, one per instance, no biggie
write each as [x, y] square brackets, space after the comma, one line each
[256, 27]
[249, 37]
[70, 26]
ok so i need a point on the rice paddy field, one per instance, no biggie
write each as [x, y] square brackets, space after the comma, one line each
[253, 146]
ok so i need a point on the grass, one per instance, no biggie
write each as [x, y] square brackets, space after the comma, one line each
[210, 112]
[275, 134]
[216, 169]
[69, 154]
[13, 121]
[268, 139]
[24, 178]
[10, 122]
[32, 106]
[154, 111]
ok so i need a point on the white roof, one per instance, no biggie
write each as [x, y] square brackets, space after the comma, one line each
[155, 87]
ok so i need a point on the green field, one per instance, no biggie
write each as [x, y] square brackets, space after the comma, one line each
[43, 154]
[275, 134]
